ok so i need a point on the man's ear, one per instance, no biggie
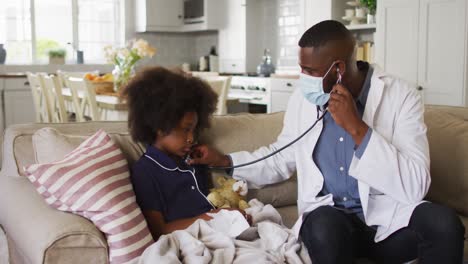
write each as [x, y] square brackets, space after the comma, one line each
[340, 68]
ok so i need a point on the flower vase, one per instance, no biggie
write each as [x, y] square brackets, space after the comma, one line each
[121, 76]
[370, 18]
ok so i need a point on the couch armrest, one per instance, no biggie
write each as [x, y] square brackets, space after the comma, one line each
[39, 232]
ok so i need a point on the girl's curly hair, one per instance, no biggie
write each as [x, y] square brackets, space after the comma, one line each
[158, 99]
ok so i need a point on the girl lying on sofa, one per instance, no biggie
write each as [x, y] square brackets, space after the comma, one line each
[167, 110]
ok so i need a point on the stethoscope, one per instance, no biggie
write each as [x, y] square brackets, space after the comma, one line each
[319, 117]
[284, 147]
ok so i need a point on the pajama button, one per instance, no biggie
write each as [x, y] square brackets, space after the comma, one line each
[341, 168]
[193, 187]
[341, 139]
[345, 199]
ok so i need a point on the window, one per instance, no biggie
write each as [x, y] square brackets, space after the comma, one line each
[99, 24]
[15, 30]
[29, 28]
[289, 24]
[52, 31]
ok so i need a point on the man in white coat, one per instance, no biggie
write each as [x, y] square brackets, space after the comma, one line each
[363, 170]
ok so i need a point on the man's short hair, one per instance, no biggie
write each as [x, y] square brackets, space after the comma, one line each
[323, 32]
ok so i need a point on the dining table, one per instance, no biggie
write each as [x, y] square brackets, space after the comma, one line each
[112, 107]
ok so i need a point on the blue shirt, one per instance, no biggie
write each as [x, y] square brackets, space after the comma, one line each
[160, 185]
[334, 151]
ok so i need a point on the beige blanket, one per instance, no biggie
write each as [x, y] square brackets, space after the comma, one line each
[267, 241]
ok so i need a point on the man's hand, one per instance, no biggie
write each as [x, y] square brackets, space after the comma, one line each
[343, 110]
[204, 154]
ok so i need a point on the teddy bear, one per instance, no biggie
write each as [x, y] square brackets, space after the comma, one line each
[229, 194]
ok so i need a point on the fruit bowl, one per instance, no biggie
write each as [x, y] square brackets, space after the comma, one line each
[102, 84]
[103, 87]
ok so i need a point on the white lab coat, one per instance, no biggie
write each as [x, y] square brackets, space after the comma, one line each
[393, 173]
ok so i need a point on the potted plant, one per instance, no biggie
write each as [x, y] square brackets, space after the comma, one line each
[57, 56]
[371, 7]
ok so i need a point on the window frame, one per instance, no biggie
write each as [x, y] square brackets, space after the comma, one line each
[75, 28]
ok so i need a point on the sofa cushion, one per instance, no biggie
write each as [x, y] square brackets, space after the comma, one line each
[448, 144]
[50, 145]
[93, 181]
[18, 146]
[231, 133]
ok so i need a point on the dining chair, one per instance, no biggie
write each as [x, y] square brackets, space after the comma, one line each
[84, 99]
[52, 90]
[39, 100]
[221, 85]
[62, 75]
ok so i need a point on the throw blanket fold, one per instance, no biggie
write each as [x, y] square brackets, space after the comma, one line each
[267, 241]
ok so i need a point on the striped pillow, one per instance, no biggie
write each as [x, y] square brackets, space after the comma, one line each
[93, 181]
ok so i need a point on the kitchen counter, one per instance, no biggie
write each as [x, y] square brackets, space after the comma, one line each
[274, 75]
[8, 70]
[285, 76]
[13, 75]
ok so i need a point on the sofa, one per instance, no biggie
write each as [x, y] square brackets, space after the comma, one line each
[36, 233]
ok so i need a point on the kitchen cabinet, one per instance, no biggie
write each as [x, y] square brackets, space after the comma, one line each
[315, 11]
[425, 42]
[239, 44]
[397, 38]
[159, 15]
[168, 16]
[281, 91]
[214, 17]
[18, 102]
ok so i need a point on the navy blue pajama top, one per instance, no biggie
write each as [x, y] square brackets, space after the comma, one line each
[161, 185]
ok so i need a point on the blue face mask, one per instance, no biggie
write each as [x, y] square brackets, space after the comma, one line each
[312, 88]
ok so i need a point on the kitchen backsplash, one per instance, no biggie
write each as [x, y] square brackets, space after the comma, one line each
[173, 49]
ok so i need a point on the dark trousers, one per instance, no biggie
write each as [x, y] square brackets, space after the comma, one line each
[435, 234]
